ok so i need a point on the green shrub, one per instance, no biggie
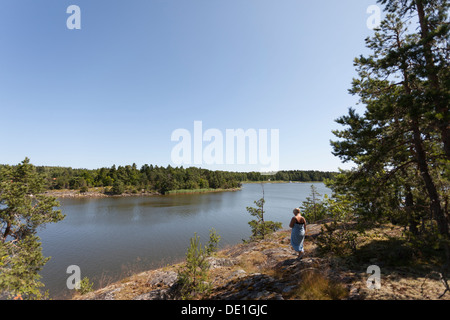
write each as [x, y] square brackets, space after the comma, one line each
[337, 238]
[193, 277]
[118, 188]
[85, 286]
[213, 242]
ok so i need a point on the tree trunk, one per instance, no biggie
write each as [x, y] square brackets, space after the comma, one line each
[440, 105]
[409, 204]
[421, 158]
[435, 205]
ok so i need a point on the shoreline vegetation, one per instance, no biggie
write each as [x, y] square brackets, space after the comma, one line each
[150, 180]
[99, 192]
[196, 191]
[281, 181]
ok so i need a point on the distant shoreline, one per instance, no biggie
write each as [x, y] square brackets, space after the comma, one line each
[197, 191]
[68, 193]
[279, 181]
[99, 192]
[94, 193]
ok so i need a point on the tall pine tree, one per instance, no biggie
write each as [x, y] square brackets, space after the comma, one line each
[399, 144]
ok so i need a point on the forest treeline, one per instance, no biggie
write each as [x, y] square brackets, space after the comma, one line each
[150, 178]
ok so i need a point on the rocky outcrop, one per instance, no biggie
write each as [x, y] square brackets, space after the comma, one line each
[269, 269]
[239, 272]
[161, 279]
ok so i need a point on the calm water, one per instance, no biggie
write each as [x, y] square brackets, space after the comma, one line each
[108, 237]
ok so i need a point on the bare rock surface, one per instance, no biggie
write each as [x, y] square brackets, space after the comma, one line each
[269, 269]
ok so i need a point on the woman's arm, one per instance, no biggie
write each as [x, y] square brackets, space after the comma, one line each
[291, 225]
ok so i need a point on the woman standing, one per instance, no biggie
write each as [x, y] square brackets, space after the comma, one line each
[298, 225]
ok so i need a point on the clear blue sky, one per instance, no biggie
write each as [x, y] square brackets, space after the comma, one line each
[114, 91]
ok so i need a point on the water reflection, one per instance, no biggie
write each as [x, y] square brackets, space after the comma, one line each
[103, 235]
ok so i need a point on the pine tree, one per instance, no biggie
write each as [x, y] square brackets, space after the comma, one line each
[193, 277]
[260, 227]
[313, 209]
[399, 143]
[432, 51]
[23, 210]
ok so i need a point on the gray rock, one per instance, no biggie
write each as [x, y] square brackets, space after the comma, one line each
[220, 262]
[163, 278]
[288, 289]
[159, 294]
[109, 295]
[238, 274]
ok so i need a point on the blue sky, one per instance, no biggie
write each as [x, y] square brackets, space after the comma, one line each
[114, 91]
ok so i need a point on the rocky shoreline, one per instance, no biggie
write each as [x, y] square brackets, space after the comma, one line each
[93, 194]
[269, 270]
[97, 193]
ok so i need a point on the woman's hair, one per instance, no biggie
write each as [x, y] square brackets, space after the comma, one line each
[297, 210]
